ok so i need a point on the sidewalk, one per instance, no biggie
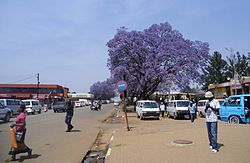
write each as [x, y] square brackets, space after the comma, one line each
[151, 141]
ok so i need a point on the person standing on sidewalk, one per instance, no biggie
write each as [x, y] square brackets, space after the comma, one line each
[192, 110]
[211, 109]
[20, 131]
[134, 101]
[69, 115]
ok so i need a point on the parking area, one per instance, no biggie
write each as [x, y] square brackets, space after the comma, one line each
[154, 141]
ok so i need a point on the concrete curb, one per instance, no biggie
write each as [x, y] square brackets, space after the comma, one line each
[108, 146]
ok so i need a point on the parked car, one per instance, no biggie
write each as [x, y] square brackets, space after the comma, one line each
[77, 104]
[32, 106]
[59, 106]
[178, 108]
[5, 113]
[200, 108]
[84, 102]
[12, 104]
[147, 109]
[116, 103]
[236, 109]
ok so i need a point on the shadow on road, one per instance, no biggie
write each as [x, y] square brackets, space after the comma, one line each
[75, 131]
[33, 156]
[220, 145]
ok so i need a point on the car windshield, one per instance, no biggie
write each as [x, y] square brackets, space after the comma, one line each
[150, 105]
[201, 103]
[26, 103]
[59, 103]
[2, 102]
[221, 102]
[183, 103]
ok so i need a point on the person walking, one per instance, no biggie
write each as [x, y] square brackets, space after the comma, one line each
[99, 105]
[211, 109]
[134, 101]
[192, 110]
[20, 131]
[69, 115]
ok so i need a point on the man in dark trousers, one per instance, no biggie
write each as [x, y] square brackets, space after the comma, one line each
[69, 115]
[211, 109]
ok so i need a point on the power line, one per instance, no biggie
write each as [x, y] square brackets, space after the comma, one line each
[17, 81]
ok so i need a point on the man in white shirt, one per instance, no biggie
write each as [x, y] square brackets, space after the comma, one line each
[192, 110]
[211, 109]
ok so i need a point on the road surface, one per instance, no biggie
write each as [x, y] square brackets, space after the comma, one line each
[47, 137]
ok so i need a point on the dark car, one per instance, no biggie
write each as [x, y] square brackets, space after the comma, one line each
[5, 113]
[59, 107]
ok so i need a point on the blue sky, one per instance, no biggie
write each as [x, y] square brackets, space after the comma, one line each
[65, 41]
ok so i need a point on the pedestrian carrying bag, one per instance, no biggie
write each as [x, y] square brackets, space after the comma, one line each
[19, 135]
[13, 138]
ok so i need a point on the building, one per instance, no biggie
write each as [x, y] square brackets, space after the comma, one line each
[77, 96]
[175, 95]
[26, 91]
[233, 87]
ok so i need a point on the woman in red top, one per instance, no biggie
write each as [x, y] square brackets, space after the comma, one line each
[20, 128]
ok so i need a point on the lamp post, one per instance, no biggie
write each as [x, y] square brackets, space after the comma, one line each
[38, 82]
[234, 68]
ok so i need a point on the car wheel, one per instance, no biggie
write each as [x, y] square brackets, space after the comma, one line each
[33, 112]
[11, 114]
[175, 115]
[54, 111]
[39, 112]
[7, 117]
[234, 119]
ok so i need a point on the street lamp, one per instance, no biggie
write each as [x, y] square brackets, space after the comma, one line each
[234, 68]
[38, 82]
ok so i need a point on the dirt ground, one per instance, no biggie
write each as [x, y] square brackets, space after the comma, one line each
[151, 141]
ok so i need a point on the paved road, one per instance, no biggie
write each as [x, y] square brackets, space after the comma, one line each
[47, 137]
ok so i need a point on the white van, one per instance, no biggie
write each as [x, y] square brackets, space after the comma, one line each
[32, 106]
[147, 109]
[200, 107]
[177, 108]
[84, 102]
[77, 104]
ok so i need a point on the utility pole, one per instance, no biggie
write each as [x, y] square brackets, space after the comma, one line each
[125, 108]
[38, 82]
[235, 75]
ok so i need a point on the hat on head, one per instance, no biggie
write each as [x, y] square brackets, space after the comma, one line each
[209, 94]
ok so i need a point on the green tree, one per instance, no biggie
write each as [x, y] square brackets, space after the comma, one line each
[216, 71]
[239, 64]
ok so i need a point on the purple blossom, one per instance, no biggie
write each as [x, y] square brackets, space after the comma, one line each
[153, 58]
[103, 90]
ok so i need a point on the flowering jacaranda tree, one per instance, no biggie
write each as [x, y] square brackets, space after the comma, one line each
[151, 59]
[103, 90]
